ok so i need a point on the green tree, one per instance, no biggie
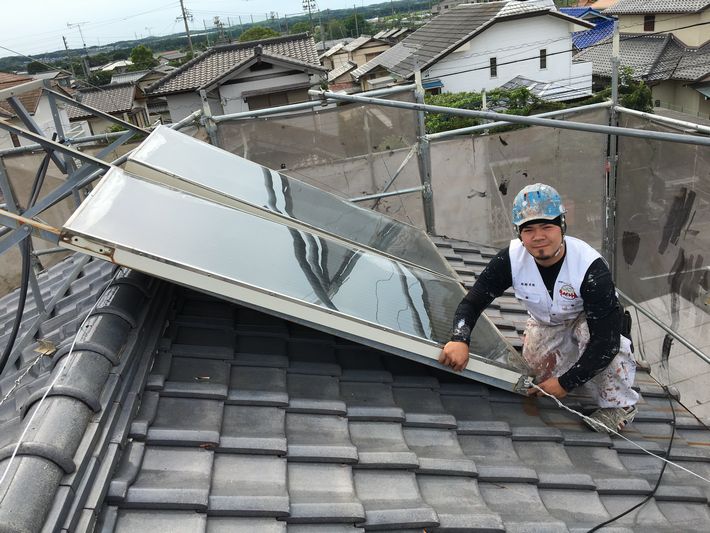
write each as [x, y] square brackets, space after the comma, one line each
[100, 77]
[33, 67]
[634, 94]
[256, 33]
[353, 29]
[300, 27]
[142, 58]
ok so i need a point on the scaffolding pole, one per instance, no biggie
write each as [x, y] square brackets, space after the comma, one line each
[609, 229]
[664, 120]
[424, 159]
[517, 119]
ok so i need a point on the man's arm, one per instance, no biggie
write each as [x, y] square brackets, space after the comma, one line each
[492, 282]
[604, 320]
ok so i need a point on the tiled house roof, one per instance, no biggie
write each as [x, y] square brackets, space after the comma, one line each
[604, 29]
[178, 411]
[114, 98]
[215, 62]
[636, 7]
[29, 100]
[652, 57]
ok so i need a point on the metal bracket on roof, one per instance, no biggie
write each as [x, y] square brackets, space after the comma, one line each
[523, 384]
[75, 242]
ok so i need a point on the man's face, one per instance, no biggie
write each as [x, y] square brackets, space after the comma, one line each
[542, 240]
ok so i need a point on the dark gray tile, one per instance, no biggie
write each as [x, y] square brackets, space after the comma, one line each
[496, 459]
[459, 388]
[248, 485]
[323, 493]
[172, 478]
[525, 422]
[520, 507]
[146, 415]
[128, 468]
[554, 468]
[234, 524]
[392, 500]
[258, 386]
[197, 378]
[324, 528]
[647, 518]
[370, 402]
[690, 517]
[423, 408]
[319, 438]
[209, 343]
[186, 421]
[459, 504]
[152, 521]
[261, 350]
[474, 416]
[314, 394]
[253, 429]
[577, 508]
[313, 357]
[381, 445]
[438, 452]
[609, 474]
[159, 372]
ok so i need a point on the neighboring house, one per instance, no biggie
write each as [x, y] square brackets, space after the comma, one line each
[483, 46]
[125, 101]
[597, 4]
[603, 26]
[170, 55]
[37, 105]
[665, 43]
[157, 106]
[342, 59]
[446, 5]
[393, 35]
[688, 20]
[244, 76]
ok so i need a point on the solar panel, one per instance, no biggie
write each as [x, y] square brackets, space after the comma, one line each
[186, 163]
[289, 272]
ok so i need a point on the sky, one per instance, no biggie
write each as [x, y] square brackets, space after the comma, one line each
[35, 26]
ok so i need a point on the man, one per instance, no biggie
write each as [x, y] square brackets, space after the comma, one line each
[573, 334]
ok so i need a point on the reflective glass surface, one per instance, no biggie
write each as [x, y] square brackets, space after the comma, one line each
[198, 163]
[211, 239]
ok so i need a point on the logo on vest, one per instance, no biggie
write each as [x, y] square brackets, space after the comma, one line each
[567, 292]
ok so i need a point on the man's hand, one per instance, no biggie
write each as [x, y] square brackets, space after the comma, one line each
[455, 355]
[550, 386]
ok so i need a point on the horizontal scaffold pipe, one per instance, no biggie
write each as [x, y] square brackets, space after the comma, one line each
[663, 120]
[489, 125]
[517, 119]
[306, 105]
[386, 194]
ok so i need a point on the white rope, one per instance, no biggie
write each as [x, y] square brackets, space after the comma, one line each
[597, 423]
[19, 379]
[54, 381]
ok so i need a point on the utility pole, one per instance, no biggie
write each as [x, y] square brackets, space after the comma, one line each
[66, 47]
[309, 5]
[185, 16]
[357, 31]
[85, 62]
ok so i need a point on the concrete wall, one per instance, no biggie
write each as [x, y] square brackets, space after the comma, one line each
[181, 105]
[467, 69]
[231, 95]
[676, 95]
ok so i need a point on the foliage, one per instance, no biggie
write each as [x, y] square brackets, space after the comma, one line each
[120, 55]
[518, 101]
[300, 27]
[334, 29]
[33, 67]
[356, 25]
[634, 94]
[256, 33]
[142, 58]
[100, 77]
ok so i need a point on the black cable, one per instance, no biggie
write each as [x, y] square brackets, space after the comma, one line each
[660, 476]
[25, 249]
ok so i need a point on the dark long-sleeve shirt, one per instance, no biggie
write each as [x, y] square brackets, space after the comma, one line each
[600, 306]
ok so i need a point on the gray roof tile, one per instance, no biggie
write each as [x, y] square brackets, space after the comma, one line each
[637, 7]
[186, 421]
[196, 378]
[253, 429]
[323, 493]
[257, 386]
[319, 438]
[496, 459]
[392, 500]
[172, 478]
[520, 507]
[111, 99]
[381, 445]
[314, 394]
[422, 408]
[135, 520]
[438, 452]
[370, 401]
[248, 485]
[234, 524]
[219, 60]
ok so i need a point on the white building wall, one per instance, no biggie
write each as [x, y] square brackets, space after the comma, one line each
[467, 69]
[181, 105]
[231, 95]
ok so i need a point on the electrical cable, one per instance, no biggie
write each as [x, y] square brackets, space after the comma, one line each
[25, 250]
[660, 475]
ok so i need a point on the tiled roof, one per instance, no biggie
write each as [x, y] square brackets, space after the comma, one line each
[216, 61]
[357, 43]
[633, 7]
[653, 57]
[342, 69]
[115, 98]
[233, 420]
[30, 100]
[551, 91]
[603, 30]
[127, 77]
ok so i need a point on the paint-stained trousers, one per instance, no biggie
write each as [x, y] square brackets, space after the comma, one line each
[552, 350]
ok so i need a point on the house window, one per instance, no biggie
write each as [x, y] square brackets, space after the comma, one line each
[649, 23]
[262, 101]
[494, 67]
[543, 58]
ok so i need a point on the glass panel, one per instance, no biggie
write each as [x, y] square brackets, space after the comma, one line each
[195, 162]
[220, 242]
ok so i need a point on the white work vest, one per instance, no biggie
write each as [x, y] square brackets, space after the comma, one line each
[566, 303]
